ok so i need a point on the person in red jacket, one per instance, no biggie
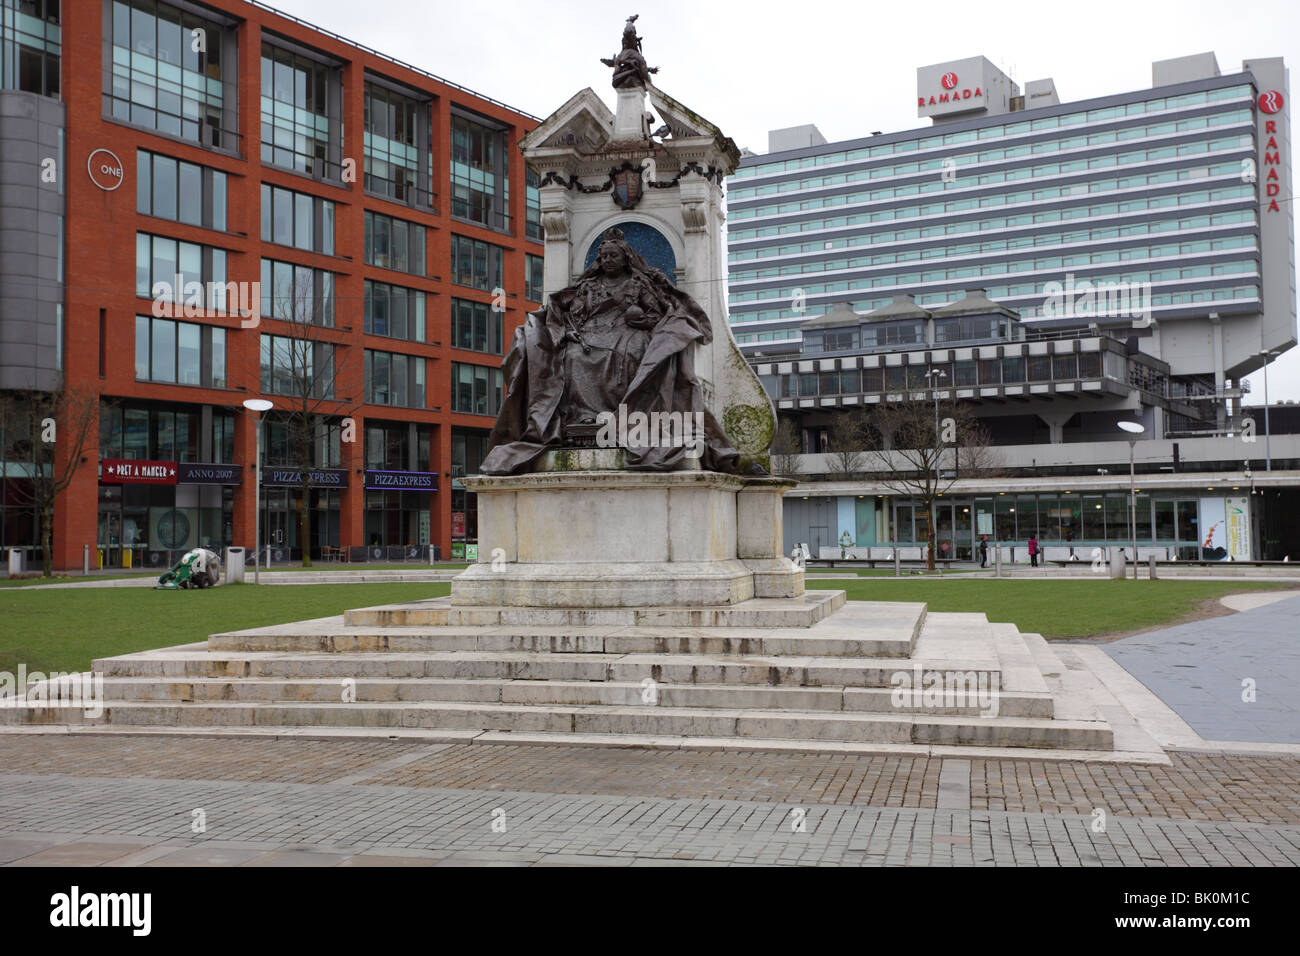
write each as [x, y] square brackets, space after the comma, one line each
[1033, 551]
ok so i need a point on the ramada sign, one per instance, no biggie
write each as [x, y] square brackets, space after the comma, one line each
[950, 92]
[1270, 103]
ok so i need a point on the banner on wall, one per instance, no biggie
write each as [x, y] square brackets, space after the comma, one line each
[1237, 535]
[1214, 530]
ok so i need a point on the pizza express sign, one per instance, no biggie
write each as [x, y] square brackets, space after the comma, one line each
[316, 477]
[402, 480]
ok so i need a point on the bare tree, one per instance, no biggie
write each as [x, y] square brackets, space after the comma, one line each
[786, 448]
[848, 438]
[305, 367]
[62, 421]
[923, 449]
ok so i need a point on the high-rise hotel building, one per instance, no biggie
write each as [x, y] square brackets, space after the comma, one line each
[375, 212]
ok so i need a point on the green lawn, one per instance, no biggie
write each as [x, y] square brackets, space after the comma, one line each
[64, 629]
[1057, 609]
[72, 579]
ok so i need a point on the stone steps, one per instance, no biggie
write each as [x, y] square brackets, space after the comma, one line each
[546, 692]
[862, 673]
[559, 720]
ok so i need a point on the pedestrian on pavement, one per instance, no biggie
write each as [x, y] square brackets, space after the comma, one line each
[984, 551]
[1033, 551]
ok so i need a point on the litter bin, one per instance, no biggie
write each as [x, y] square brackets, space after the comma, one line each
[234, 566]
[17, 562]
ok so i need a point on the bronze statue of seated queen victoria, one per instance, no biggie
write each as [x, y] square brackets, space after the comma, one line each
[618, 345]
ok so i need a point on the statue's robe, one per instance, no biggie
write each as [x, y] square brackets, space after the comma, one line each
[645, 365]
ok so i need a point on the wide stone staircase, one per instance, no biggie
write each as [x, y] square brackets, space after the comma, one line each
[813, 672]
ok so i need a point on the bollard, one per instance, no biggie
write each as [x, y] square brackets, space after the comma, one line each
[898, 567]
[1151, 566]
[997, 560]
[85, 559]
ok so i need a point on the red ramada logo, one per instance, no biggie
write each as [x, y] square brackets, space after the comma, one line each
[1271, 101]
[948, 81]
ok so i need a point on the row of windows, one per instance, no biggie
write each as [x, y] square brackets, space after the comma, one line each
[297, 367]
[388, 445]
[1071, 237]
[297, 219]
[394, 379]
[164, 434]
[1132, 204]
[397, 146]
[480, 187]
[476, 326]
[965, 374]
[297, 294]
[1138, 178]
[181, 353]
[476, 389]
[296, 121]
[963, 166]
[885, 237]
[910, 280]
[183, 192]
[159, 79]
[394, 311]
[1076, 260]
[394, 244]
[167, 270]
[1015, 127]
[30, 46]
[477, 264]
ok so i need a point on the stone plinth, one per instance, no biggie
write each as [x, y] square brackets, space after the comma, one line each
[608, 539]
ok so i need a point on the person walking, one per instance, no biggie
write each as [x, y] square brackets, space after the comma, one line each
[1033, 551]
[984, 551]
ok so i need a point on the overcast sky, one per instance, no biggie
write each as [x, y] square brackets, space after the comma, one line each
[848, 67]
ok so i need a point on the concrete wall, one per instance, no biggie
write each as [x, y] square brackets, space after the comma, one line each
[31, 209]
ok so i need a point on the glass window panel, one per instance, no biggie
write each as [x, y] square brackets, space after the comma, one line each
[164, 187]
[191, 194]
[282, 217]
[163, 351]
[302, 228]
[142, 347]
[218, 358]
[189, 352]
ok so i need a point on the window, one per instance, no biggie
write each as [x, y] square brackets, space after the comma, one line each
[297, 219]
[394, 379]
[183, 192]
[300, 126]
[181, 353]
[30, 45]
[297, 366]
[394, 244]
[476, 326]
[297, 294]
[477, 264]
[533, 204]
[183, 273]
[479, 187]
[534, 277]
[159, 81]
[388, 446]
[397, 146]
[475, 389]
[394, 311]
[160, 434]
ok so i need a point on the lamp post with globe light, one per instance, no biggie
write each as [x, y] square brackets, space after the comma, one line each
[259, 406]
[1134, 430]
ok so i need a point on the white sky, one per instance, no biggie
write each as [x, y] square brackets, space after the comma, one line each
[848, 67]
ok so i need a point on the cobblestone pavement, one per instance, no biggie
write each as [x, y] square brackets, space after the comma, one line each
[1198, 669]
[132, 801]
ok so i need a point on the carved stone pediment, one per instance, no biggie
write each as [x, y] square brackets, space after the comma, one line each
[686, 124]
[584, 124]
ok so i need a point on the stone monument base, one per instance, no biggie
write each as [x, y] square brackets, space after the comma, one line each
[610, 539]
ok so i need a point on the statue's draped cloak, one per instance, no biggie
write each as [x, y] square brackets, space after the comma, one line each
[538, 368]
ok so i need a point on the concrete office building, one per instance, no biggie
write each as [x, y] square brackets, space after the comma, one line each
[240, 148]
[1065, 266]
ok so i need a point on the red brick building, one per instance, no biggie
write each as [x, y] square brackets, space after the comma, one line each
[386, 219]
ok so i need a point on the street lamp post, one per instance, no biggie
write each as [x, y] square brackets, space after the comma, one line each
[257, 406]
[1134, 431]
[934, 375]
[1268, 355]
